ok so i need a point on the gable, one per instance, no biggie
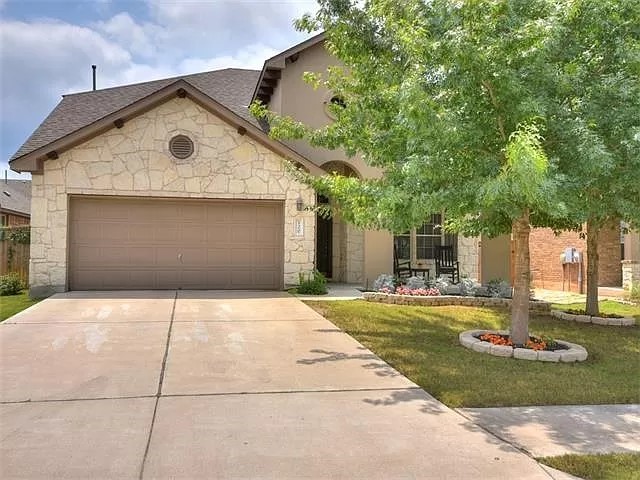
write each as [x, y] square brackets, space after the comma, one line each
[34, 160]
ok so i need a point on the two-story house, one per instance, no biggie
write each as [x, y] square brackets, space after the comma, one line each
[173, 184]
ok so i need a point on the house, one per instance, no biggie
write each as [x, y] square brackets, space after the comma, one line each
[173, 184]
[15, 202]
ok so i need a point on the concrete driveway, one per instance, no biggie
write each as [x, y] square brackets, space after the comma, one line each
[219, 385]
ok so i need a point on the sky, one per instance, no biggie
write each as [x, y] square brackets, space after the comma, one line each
[47, 48]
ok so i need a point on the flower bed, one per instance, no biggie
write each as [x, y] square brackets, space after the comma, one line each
[610, 320]
[497, 343]
[535, 306]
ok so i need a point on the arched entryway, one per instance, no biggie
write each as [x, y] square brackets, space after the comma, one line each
[339, 245]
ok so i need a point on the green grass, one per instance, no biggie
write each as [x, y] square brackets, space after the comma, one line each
[614, 466]
[12, 304]
[606, 306]
[422, 343]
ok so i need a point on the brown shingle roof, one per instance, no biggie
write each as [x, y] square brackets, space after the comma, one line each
[232, 87]
[15, 195]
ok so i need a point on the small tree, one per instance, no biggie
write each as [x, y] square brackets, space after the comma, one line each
[594, 122]
[449, 100]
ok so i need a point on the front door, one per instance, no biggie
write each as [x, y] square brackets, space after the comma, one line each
[324, 242]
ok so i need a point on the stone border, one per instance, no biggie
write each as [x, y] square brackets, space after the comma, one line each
[536, 306]
[616, 322]
[575, 352]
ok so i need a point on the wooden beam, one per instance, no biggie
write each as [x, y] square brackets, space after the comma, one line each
[181, 93]
[118, 123]
[272, 73]
[270, 82]
[265, 90]
[241, 130]
[52, 155]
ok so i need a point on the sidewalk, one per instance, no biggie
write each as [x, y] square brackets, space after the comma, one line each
[564, 297]
[559, 430]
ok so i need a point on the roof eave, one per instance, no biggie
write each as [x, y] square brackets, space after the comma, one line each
[277, 62]
[33, 161]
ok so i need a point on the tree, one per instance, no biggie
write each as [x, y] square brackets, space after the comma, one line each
[450, 100]
[594, 122]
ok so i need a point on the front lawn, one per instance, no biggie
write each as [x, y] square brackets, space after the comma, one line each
[614, 466]
[12, 304]
[422, 343]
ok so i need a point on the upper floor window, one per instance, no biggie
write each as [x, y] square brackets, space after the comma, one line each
[332, 102]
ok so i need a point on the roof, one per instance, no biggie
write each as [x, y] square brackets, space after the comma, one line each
[231, 87]
[270, 74]
[16, 196]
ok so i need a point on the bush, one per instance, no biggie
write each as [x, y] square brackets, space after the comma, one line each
[442, 284]
[635, 292]
[415, 283]
[468, 287]
[10, 284]
[385, 283]
[312, 284]
[498, 288]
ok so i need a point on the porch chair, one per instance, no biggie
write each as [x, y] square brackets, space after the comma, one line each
[446, 264]
[401, 269]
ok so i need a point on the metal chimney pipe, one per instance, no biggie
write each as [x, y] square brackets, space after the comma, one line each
[93, 67]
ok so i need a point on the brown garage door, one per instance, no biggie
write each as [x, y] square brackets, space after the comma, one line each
[164, 244]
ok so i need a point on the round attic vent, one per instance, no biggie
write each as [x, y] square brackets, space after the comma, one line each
[181, 147]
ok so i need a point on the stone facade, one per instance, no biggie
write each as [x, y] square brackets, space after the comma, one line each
[135, 161]
[630, 273]
[468, 256]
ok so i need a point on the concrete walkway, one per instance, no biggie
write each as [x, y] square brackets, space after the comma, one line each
[219, 385]
[336, 291]
[559, 430]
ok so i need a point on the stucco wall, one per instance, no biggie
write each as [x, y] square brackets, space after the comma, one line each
[134, 161]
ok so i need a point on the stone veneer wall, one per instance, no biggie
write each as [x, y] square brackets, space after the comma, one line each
[468, 248]
[134, 161]
[630, 273]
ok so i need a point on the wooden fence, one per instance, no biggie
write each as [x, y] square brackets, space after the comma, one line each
[14, 258]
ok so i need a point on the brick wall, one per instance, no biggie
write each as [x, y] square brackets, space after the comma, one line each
[548, 271]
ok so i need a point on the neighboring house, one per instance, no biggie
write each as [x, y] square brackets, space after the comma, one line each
[173, 184]
[15, 202]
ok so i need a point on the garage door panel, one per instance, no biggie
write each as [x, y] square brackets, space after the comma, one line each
[194, 233]
[166, 243]
[167, 233]
[218, 234]
[243, 234]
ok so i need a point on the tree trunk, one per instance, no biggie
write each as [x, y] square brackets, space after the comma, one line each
[593, 231]
[520, 230]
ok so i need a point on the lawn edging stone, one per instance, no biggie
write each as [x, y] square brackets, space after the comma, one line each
[606, 321]
[535, 306]
[573, 352]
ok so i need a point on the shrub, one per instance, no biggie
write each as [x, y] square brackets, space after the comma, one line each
[442, 284]
[498, 288]
[10, 284]
[312, 284]
[415, 283]
[635, 292]
[385, 283]
[468, 287]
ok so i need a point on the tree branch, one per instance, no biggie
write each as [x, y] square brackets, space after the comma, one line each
[494, 101]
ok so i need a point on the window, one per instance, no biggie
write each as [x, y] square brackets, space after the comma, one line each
[419, 243]
[4, 220]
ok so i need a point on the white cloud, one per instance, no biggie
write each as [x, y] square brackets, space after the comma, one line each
[42, 59]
